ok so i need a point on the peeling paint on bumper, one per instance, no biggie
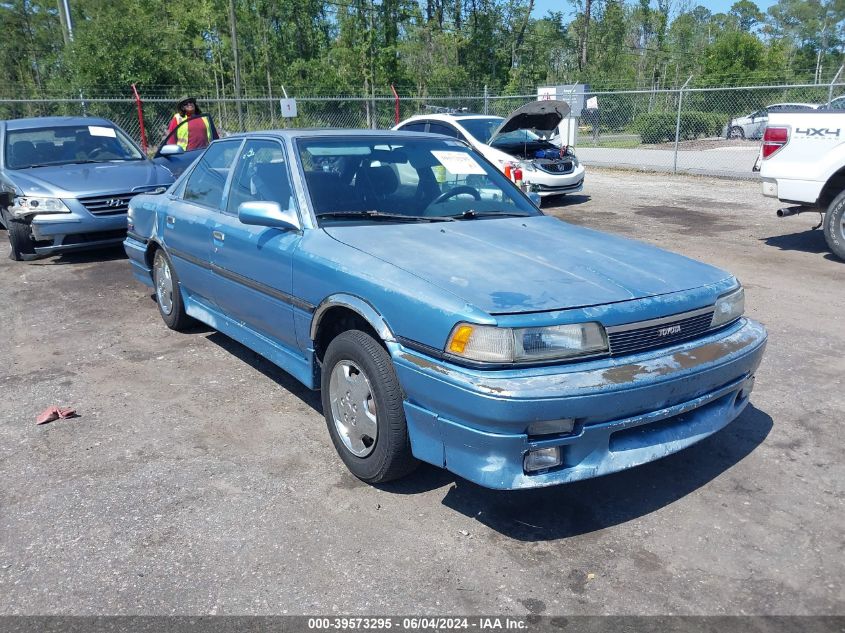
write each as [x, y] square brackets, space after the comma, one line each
[628, 411]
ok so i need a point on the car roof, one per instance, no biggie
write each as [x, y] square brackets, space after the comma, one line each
[35, 123]
[331, 133]
[793, 103]
[449, 116]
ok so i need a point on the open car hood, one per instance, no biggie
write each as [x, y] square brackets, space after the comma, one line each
[541, 117]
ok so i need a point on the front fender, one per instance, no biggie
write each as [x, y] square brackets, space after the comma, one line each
[357, 305]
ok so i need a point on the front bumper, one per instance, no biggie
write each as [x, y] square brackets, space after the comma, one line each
[77, 230]
[556, 184]
[628, 411]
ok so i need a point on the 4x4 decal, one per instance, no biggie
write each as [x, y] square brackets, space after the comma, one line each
[817, 131]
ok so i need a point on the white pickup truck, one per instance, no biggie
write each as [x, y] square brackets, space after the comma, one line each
[802, 163]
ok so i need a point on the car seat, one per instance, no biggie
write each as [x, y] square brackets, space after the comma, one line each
[270, 183]
[23, 154]
[375, 184]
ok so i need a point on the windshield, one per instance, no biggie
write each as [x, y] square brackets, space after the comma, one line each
[379, 179]
[67, 144]
[481, 129]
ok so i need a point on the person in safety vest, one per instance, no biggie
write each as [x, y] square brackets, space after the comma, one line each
[199, 130]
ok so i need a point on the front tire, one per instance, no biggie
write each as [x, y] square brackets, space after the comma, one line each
[736, 133]
[20, 239]
[169, 293]
[362, 403]
[834, 226]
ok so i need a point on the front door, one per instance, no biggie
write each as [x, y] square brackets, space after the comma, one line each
[252, 264]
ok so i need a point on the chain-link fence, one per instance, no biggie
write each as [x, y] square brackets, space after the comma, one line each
[713, 131]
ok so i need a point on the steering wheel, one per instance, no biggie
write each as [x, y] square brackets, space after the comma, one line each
[97, 151]
[456, 191]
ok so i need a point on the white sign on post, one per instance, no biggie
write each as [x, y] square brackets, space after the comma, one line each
[288, 107]
[546, 93]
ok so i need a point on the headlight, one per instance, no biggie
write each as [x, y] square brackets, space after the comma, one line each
[26, 205]
[729, 308]
[527, 166]
[508, 345]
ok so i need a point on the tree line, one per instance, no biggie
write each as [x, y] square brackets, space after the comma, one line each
[422, 47]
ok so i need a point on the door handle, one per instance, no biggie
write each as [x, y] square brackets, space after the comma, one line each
[217, 235]
[170, 219]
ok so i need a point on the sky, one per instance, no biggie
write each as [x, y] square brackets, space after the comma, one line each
[541, 7]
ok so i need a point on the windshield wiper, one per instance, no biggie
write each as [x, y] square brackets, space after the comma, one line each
[88, 161]
[381, 215]
[471, 214]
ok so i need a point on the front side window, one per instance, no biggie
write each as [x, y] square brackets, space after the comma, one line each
[374, 179]
[68, 144]
[206, 183]
[261, 174]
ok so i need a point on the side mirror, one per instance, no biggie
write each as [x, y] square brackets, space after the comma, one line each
[170, 150]
[535, 198]
[268, 214]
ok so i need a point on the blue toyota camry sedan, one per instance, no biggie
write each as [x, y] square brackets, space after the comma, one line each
[442, 315]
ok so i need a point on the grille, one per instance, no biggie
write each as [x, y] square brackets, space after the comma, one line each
[556, 168]
[108, 205]
[630, 338]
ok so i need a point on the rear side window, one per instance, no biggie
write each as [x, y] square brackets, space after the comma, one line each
[418, 126]
[439, 128]
[205, 184]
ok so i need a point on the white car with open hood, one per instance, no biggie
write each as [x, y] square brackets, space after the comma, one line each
[528, 137]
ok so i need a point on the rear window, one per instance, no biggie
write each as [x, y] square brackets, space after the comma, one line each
[67, 144]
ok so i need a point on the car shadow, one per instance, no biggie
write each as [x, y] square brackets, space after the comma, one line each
[557, 512]
[105, 254]
[557, 202]
[274, 373]
[547, 514]
[806, 241]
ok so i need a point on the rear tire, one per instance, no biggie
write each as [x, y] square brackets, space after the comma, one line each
[169, 293]
[363, 405]
[834, 226]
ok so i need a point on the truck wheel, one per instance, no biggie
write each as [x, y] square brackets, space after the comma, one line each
[20, 239]
[362, 402]
[736, 132]
[834, 226]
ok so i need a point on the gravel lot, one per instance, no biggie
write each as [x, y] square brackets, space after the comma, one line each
[201, 479]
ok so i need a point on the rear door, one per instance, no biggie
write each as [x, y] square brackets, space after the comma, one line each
[190, 219]
[252, 265]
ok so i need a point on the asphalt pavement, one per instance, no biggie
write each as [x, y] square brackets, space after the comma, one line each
[200, 479]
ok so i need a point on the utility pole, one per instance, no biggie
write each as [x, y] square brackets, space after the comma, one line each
[234, 27]
[67, 23]
[67, 32]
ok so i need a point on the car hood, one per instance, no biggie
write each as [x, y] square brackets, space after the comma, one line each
[74, 181]
[540, 116]
[514, 265]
